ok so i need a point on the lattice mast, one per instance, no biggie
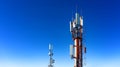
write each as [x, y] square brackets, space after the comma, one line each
[76, 50]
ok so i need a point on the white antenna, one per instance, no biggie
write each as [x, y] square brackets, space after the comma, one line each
[71, 51]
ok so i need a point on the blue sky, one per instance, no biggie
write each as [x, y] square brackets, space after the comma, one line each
[28, 26]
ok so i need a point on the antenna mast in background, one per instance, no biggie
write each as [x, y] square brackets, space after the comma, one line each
[51, 54]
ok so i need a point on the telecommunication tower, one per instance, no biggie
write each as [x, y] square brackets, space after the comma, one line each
[51, 54]
[76, 50]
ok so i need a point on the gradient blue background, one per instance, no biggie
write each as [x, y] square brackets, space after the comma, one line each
[28, 26]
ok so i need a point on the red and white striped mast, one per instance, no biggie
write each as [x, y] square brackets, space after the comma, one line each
[76, 50]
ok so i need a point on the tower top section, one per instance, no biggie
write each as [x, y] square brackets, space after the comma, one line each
[50, 50]
[76, 26]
